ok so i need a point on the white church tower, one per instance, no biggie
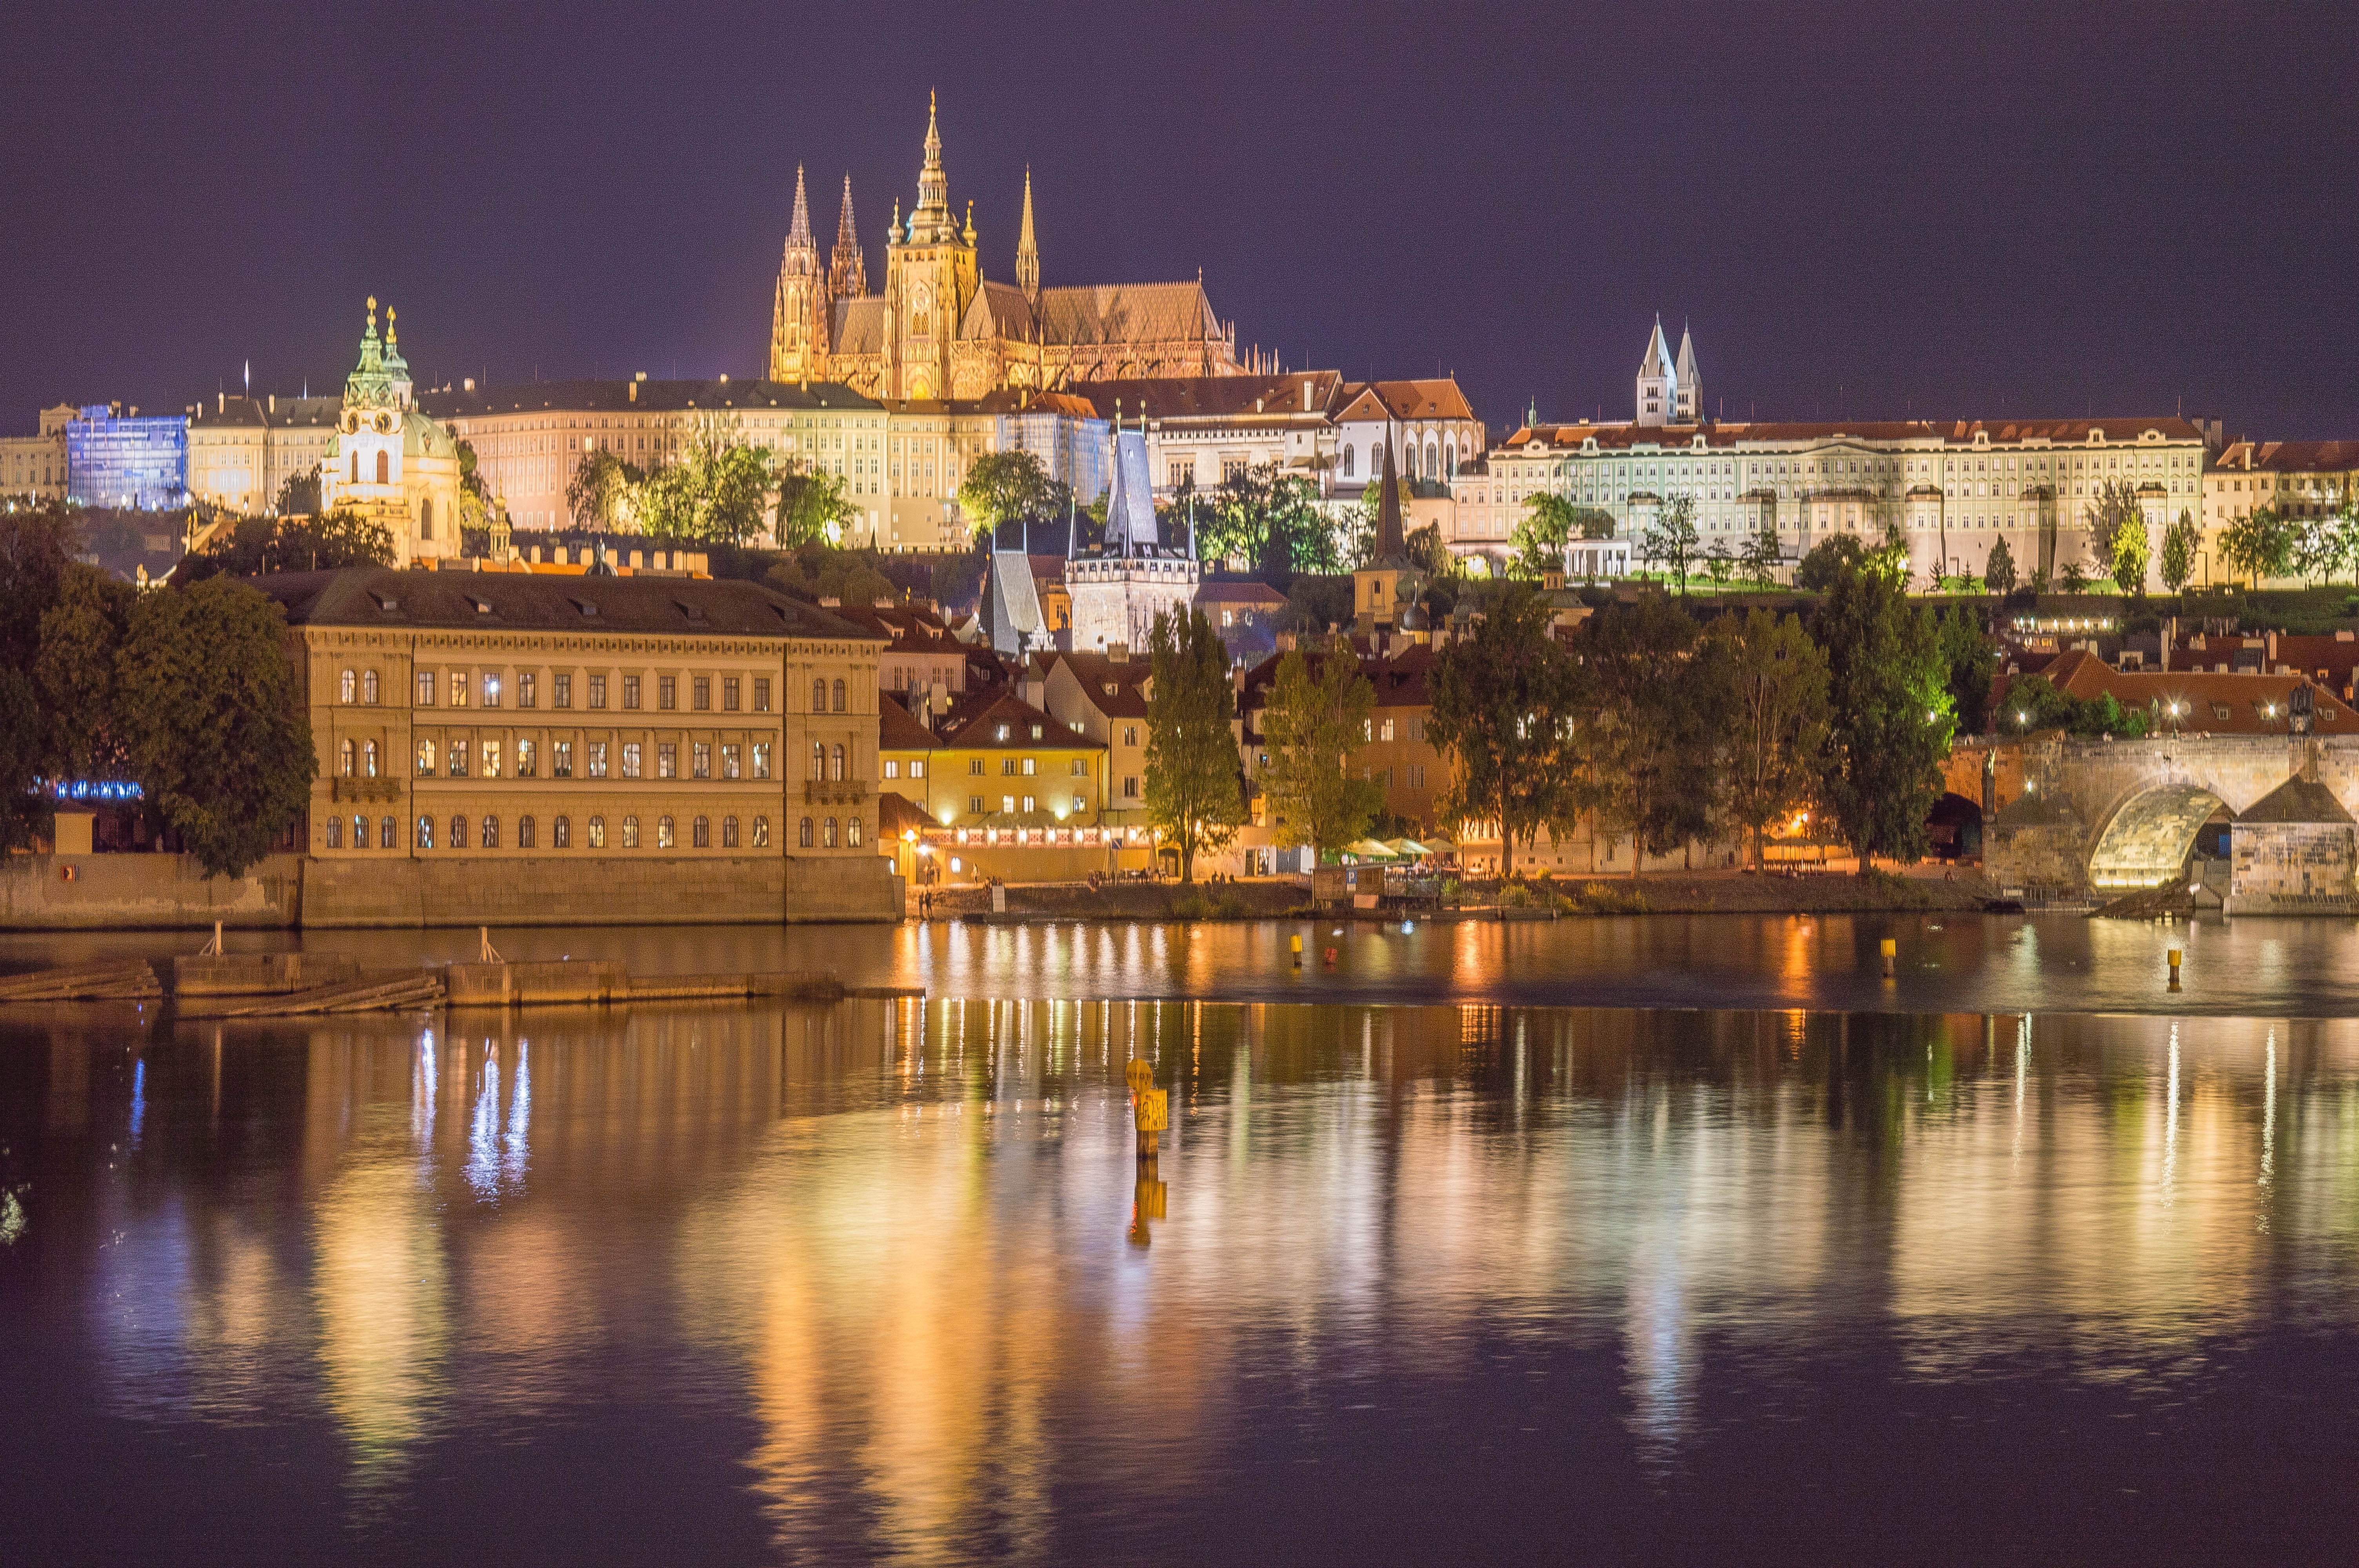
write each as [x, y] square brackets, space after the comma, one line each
[1669, 393]
[1119, 591]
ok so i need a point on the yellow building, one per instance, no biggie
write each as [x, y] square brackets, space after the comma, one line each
[389, 460]
[242, 450]
[33, 468]
[1012, 792]
[531, 747]
[2302, 481]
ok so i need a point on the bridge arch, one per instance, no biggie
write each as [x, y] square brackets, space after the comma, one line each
[2146, 840]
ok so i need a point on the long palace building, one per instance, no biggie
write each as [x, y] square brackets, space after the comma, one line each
[939, 330]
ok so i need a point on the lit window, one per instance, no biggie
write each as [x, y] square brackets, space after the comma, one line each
[348, 687]
[597, 759]
[805, 837]
[667, 759]
[458, 694]
[491, 691]
[892, 769]
[346, 758]
[387, 835]
[918, 769]
[852, 832]
[335, 833]
[699, 763]
[597, 691]
[425, 759]
[728, 832]
[426, 833]
[456, 755]
[663, 833]
[761, 833]
[368, 687]
[491, 832]
[527, 757]
[597, 833]
[761, 759]
[700, 833]
[630, 759]
[827, 834]
[563, 691]
[631, 691]
[630, 833]
[457, 833]
[490, 759]
[425, 688]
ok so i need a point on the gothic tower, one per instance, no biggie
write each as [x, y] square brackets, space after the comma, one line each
[847, 275]
[930, 277]
[1689, 397]
[798, 318]
[1657, 381]
[1027, 251]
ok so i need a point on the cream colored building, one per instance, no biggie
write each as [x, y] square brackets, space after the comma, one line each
[242, 450]
[390, 461]
[33, 468]
[2301, 480]
[507, 726]
[1202, 430]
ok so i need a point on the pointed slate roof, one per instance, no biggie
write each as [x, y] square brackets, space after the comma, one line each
[799, 233]
[1130, 501]
[1687, 357]
[1128, 312]
[1392, 549]
[1659, 353]
[2296, 800]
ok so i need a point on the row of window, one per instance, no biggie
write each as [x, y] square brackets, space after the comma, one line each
[488, 758]
[977, 805]
[363, 687]
[561, 833]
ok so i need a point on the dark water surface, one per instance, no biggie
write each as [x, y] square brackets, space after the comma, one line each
[1950, 963]
[1433, 1283]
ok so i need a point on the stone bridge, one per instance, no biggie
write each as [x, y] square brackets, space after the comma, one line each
[2102, 816]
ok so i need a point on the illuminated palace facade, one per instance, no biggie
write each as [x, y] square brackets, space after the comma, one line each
[940, 330]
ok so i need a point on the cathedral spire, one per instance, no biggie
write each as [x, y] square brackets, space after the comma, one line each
[798, 234]
[1027, 250]
[931, 217]
[847, 273]
[1390, 546]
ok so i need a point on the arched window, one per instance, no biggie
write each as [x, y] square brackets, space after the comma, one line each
[1448, 457]
[335, 833]
[356, 469]
[491, 832]
[347, 685]
[806, 838]
[761, 833]
[835, 763]
[387, 836]
[527, 834]
[630, 833]
[385, 467]
[852, 831]
[818, 697]
[700, 833]
[561, 833]
[426, 833]
[1432, 461]
[597, 833]
[1347, 459]
[729, 833]
[368, 686]
[368, 760]
[827, 834]
[344, 755]
[818, 759]
[360, 832]
[458, 832]
[426, 518]
[838, 697]
[663, 833]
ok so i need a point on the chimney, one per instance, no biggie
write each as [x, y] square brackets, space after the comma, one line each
[272, 399]
[1306, 395]
[221, 402]
[2273, 650]
[634, 392]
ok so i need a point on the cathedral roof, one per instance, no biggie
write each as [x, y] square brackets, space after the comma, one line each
[859, 326]
[1436, 397]
[997, 310]
[1127, 313]
[653, 396]
[1213, 396]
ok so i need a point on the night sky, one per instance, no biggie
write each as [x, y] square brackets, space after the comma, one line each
[1865, 212]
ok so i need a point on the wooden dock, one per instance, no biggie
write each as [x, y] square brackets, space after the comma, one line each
[127, 979]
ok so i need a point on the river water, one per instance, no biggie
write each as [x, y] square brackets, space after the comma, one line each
[1844, 1273]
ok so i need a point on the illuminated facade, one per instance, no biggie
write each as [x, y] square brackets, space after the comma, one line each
[242, 450]
[1118, 590]
[389, 461]
[132, 461]
[33, 468]
[939, 330]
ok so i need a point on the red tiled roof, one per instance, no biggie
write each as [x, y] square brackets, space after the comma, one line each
[2291, 457]
[1949, 432]
[898, 729]
[2217, 704]
[976, 725]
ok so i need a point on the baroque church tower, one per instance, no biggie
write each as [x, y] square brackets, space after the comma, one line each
[800, 316]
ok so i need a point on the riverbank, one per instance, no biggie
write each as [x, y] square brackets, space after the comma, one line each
[1700, 893]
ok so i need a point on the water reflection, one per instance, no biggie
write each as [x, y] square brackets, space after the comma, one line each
[899, 1270]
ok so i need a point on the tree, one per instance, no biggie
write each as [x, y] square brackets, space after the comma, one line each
[1648, 720]
[1828, 560]
[2179, 545]
[35, 547]
[1671, 538]
[2119, 546]
[813, 509]
[1502, 710]
[1764, 553]
[816, 571]
[2321, 545]
[82, 634]
[717, 491]
[1194, 797]
[2258, 545]
[1317, 714]
[1718, 564]
[298, 493]
[601, 490]
[1971, 660]
[1429, 555]
[2072, 579]
[1998, 572]
[1776, 730]
[1002, 488]
[252, 545]
[1537, 546]
[1888, 715]
[2034, 703]
[212, 718]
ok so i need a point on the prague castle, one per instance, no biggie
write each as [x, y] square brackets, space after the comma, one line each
[940, 330]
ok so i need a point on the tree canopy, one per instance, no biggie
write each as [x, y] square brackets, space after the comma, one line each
[1775, 678]
[1001, 488]
[1195, 796]
[252, 545]
[2119, 546]
[1649, 722]
[2179, 542]
[1889, 714]
[1502, 710]
[813, 509]
[1315, 719]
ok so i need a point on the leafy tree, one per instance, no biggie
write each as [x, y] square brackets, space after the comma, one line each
[1537, 546]
[1776, 730]
[2258, 545]
[2320, 546]
[2034, 703]
[1270, 519]
[602, 490]
[35, 547]
[1647, 735]
[252, 545]
[810, 505]
[1194, 796]
[1888, 715]
[82, 632]
[1429, 555]
[717, 491]
[2179, 545]
[2072, 579]
[1718, 564]
[1973, 662]
[1503, 705]
[1764, 553]
[1890, 559]
[816, 571]
[1998, 572]
[212, 718]
[1316, 717]
[298, 493]
[1002, 488]
[1828, 560]
[1671, 538]
[2119, 546]
[1315, 602]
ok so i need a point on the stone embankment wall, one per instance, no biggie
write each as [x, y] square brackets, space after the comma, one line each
[128, 892]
